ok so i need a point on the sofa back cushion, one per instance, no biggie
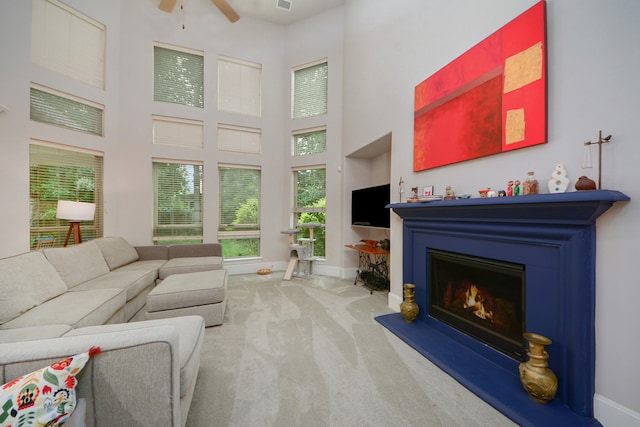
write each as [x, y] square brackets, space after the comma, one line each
[79, 263]
[195, 250]
[116, 251]
[27, 280]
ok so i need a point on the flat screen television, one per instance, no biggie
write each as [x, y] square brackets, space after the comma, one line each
[368, 206]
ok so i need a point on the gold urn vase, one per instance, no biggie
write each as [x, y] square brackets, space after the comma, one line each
[408, 307]
[536, 377]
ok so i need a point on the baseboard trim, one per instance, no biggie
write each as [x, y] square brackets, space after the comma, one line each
[610, 413]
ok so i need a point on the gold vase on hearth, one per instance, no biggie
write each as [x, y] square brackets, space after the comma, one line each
[536, 377]
[408, 307]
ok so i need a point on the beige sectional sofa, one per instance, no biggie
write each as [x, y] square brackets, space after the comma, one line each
[61, 301]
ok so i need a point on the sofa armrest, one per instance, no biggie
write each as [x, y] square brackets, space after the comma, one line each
[135, 380]
[195, 250]
[152, 252]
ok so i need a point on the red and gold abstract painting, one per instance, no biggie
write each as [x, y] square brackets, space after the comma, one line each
[491, 99]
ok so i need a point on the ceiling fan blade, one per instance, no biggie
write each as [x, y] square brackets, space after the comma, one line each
[226, 10]
[167, 5]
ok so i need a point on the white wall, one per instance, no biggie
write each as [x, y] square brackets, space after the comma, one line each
[592, 84]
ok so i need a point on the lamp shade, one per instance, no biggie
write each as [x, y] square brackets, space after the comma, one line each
[75, 211]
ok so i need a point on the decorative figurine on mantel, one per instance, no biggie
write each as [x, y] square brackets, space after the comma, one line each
[509, 188]
[516, 187]
[414, 195]
[559, 181]
[448, 193]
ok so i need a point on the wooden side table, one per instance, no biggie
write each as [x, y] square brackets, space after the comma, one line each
[373, 267]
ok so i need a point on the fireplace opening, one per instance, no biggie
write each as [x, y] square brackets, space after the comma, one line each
[483, 298]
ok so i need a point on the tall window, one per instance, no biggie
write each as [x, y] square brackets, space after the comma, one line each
[310, 90]
[239, 228]
[62, 174]
[310, 142]
[177, 202]
[178, 76]
[58, 109]
[239, 86]
[310, 204]
[67, 42]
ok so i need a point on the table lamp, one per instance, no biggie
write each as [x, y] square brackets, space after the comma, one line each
[75, 212]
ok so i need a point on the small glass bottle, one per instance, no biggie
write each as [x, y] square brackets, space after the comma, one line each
[401, 189]
[530, 184]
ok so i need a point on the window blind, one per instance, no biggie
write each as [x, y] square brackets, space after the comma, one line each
[178, 132]
[239, 86]
[62, 174]
[313, 142]
[239, 219]
[310, 91]
[239, 139]
[178, 77]
[67, 42]
[178, 202]
[57, 110]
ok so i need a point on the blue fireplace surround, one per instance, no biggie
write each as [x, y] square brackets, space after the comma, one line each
[554, 237]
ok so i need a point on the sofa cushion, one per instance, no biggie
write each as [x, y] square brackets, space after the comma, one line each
[131, 281]
[77, 309]
[194, 250]
[67, 261]
[46, 396]
[189, 265]
[32, 333]
[190, 336]
[26, 281]
[147, 265]
[188, 290]
[116, 251]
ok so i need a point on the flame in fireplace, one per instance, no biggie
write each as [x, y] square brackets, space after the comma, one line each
[473, 300]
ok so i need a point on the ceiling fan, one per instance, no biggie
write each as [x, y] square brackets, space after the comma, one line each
[225, 8]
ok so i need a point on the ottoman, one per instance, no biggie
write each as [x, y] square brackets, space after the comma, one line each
[201, 293]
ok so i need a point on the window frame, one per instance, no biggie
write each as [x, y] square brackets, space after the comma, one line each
[294, 88]
[188, 99]
[157, 226]
[51, 116]
[246, 87]
[90, 229]
[242, 231]
[297, 211]
[294, 145]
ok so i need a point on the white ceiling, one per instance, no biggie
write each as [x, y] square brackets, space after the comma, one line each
[266, 10]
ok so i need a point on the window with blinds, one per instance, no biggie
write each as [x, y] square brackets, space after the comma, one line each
[177, 202]
[62, 174]
[239, 139]
[310, 142]
[178, 132]
[67, 42]
[58, 109]
[239, 219]
[178, 76]
[310, 204]
[310, 90]
[239, 86]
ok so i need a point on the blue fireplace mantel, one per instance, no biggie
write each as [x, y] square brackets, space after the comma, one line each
[554, 237]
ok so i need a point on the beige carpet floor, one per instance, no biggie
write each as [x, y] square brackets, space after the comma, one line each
[308, 352]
